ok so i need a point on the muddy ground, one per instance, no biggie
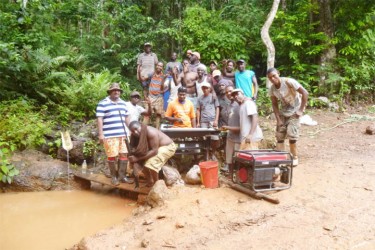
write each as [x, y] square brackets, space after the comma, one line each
[329, 206]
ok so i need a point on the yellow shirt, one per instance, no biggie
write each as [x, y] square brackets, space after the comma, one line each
[184, 111]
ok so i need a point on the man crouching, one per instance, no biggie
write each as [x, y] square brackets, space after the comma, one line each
[152, 149]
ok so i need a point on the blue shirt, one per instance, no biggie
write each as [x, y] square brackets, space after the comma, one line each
[244, 81]
[112, 121]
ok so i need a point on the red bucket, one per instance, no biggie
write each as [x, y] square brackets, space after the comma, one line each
[209, 173]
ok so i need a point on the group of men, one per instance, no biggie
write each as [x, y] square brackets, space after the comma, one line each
[188, 96]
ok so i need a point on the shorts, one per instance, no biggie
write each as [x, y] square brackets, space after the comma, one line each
[290, 128]
[229, 150]
[145, 84]
[164, 153]
[209, 125]
[115, 146]
[157, 105]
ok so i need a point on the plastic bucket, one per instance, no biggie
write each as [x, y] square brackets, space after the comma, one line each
[209, 173]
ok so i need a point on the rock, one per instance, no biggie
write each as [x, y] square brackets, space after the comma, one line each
[193, 175]
[171, 176]
[75, 155]
[158, 194]
[370, 130]
[145, 243]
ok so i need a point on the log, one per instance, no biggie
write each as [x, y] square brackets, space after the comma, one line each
[251, 193]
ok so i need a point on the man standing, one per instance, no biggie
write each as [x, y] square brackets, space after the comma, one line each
[208, 114]
[181, 111]
[228, 69]
[153, 148]
[156, 81]
[293, 99]
[111, 114]
[250, 131]
[146, 65]
[170, 86]
[232, 111]
[246, 80]
[135, 111]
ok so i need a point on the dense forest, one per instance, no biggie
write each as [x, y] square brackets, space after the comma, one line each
[57, 57]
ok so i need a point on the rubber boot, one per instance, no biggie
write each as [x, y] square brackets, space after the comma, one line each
[293, 151]
[122, 167]
[112, 169]
[280, 146]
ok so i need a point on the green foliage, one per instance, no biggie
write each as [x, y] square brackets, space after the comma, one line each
[90, 147]
[7, 170]
[22, 125]
[263, 102]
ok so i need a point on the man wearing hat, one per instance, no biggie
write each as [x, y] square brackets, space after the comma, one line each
[135, 111]
[250, 132]
[208, 114]
[112, 115]
[146, 65]
[246, 80]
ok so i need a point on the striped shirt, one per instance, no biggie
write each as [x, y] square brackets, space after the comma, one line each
[112, 121]
[155, 88]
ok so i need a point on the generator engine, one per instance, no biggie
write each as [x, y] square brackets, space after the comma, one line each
[263, 170]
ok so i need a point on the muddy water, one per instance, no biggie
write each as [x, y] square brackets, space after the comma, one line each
[58, 219]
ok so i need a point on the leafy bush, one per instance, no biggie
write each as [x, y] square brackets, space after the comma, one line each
[7, 170]
[22, 124]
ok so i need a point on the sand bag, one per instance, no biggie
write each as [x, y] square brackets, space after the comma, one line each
[193, 176]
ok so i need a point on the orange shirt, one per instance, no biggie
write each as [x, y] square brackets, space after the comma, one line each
[184, 111]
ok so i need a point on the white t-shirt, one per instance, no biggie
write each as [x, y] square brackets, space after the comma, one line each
[248, 108]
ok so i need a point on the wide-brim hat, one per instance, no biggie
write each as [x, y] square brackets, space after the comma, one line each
[114, 86]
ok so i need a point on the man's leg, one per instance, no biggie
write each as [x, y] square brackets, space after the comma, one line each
[111, 146]
[113, 170]
[122, 169]
[293, 135]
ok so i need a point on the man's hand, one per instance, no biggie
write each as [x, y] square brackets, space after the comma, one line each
[248, 138]
[101, 139]
[132, 158]
[215, 124]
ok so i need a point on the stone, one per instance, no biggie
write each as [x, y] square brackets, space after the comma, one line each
[370, 130]
[158, 194]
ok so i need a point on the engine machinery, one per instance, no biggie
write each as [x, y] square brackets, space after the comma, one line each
[263, 170]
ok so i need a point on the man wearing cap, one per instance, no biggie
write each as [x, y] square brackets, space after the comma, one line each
[188, 54]
[293, 99]
[250, 131]
[231, 112]
[112, 115]
[135, 111]
[208, 114]
[145, 65]
[246, 80]
[181, 111]
[155, 93]
[213, 67]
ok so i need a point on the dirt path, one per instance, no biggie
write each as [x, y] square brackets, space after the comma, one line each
[330, 205]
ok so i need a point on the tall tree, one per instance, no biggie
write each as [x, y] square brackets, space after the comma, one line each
[267, 39]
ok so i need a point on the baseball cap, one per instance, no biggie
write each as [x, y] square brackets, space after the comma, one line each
[135, 93]
[213, 62]
[147, 44]
[216, 72]
[205, 84]
[236, 91]
[240, 61]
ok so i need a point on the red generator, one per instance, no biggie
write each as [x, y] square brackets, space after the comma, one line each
[263, 170]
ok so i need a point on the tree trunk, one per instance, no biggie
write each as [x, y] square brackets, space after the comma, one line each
[266, 37]
[326, 26]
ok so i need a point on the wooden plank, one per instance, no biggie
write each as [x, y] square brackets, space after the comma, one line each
[102, 179]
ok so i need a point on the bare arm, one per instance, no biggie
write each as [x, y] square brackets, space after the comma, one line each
[255, 86]
[254, 123]
[148, 111]
[305, 95]
[216, 122]
[276, 111]
[198, 117]
[100, 129]
[193, 123]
